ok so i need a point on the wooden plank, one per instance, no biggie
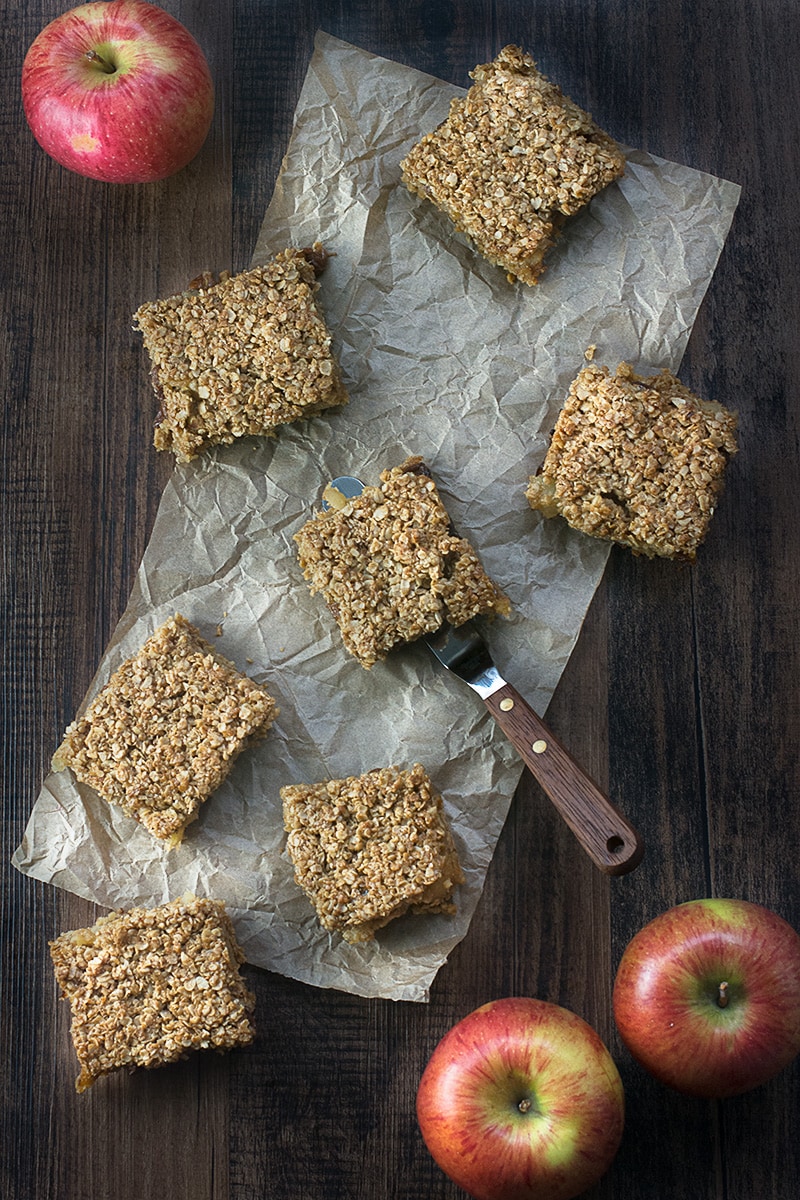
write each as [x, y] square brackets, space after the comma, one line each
[680, 698]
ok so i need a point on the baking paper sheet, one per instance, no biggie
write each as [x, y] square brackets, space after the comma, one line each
[445, 358]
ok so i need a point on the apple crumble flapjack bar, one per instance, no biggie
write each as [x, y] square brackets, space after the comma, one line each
[390, 567]
[369, 848]
[639, 461]
[148, 985]
[514, 158]
[165, 730]
[241, 356]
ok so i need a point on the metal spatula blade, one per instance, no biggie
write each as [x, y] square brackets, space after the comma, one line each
[606, 836]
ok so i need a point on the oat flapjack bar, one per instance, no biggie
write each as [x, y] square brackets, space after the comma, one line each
[371, 847]
[165, 730]
[513, 160]
[390, 567]
[148, 985]
[241, 356]
[639, 461]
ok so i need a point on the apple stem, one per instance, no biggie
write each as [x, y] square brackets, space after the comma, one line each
[722, 995]
[103, 63]
[524, 1105]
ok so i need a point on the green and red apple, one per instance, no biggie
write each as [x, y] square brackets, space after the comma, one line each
[118, 90]
[707, 996]
[521, 1100]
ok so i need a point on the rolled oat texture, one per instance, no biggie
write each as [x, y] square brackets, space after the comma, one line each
[369, 848]
[166, 729]
[514, 159]
[390, 566]
[147, 986]
[638, 461]
[241, 356]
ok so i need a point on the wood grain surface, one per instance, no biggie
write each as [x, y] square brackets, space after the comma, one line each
[681, 698]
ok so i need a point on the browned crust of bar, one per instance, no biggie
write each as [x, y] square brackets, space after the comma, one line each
[148, 985]
[240, 356]
[165, 730]
[390, 567]
[639, 461]
[369, 848]
[514, 158]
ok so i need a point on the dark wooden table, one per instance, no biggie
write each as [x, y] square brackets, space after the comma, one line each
[682, 694]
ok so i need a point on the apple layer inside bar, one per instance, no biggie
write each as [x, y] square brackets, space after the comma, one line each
[390, 567]
[636, 461]
[241, 356]
[514, 158]
[165, 730]
[369, 848]
[148, 985]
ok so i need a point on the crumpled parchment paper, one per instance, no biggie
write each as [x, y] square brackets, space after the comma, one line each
[443, 357]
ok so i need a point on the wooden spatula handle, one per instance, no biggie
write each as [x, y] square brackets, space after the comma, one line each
[605, 835]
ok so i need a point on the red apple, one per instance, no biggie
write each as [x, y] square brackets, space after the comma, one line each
[521, 1101]
[118, 91]
[707, 996]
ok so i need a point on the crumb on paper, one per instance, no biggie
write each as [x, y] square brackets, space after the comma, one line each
[369, 848]
[165, 730]
[513, 160]
[148, 985]
[638, 461]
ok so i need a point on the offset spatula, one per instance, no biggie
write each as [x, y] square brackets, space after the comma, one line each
[606, 836]
[609, 840]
